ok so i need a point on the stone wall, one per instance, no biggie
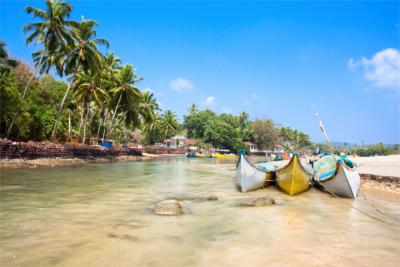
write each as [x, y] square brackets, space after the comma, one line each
[33, 150]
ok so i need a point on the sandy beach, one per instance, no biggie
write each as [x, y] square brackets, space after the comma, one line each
[380, 165]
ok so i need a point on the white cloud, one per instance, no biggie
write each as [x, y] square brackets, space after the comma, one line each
[383, 69]
[180, 84]
[210, 100]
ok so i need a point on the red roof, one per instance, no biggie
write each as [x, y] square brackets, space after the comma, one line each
[190, 142]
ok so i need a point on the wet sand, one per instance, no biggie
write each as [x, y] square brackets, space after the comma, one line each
[101, 215]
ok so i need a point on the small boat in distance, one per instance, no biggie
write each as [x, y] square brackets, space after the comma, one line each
[250, 177]
[337, 175]
[224, 156]
[203, 155]
[293, 178]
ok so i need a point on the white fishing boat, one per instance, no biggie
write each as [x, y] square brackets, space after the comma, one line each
[250, 177]
[341, 179]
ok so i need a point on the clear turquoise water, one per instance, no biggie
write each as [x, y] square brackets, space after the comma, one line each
[101, 215]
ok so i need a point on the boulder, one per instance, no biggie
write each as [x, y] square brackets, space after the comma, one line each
[257, 202]
[168, 207]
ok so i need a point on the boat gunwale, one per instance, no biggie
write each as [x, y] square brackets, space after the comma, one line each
[252, 164]
[300, 164]
[338, 164]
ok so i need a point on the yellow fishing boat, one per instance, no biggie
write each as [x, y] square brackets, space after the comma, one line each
[198, 155]
[293, 178]
[225, 156]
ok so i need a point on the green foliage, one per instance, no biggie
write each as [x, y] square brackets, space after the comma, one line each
[36, 113]
[221, 131]
[264, 134]
[293, 137]
[373, 150]
[164, 126]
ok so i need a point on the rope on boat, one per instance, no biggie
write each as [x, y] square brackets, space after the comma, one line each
[360, 211]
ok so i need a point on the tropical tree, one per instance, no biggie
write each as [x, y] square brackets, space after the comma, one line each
[168, 123]
[82, 55]
[124, 92]
[265, 134]
[89, 89]
[147, 107]
[53, 32]
[5, 62]
[111, 64]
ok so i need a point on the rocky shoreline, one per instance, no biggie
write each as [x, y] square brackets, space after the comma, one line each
[31, 154]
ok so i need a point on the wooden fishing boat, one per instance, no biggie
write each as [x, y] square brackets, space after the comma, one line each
[250, 177]
[335, 176]
[225, 156]
[200, 155]
[293, 178]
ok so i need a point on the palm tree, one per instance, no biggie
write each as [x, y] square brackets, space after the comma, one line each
[89, 90]
[83, 54]
[125, 91]
[169, 123]
[53, 32]
[140, 110]
[111, 64]
[148, 106]
[5, 62]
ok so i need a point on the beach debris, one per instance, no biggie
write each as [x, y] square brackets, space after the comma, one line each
[170, 207]
[257, 202]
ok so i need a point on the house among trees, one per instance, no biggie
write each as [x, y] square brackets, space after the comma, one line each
[180, 141]
[252, 147]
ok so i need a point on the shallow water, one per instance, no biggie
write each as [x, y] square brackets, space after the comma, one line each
[101, 215]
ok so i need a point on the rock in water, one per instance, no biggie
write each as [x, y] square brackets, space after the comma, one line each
[169, 207]
[257, 202]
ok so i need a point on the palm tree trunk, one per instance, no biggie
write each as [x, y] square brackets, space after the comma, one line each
[54, 132]
[115, 124]
[69, 127]
[115, 112]
[85, 123]
[90, 126]
[81, 119]
[104, 124]
[98, 129]
[24, 93]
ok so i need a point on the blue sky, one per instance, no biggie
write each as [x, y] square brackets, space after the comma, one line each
[279, 60]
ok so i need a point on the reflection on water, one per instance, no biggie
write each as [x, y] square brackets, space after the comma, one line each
[101, 215]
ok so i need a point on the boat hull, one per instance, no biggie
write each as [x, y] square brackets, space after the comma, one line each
[293, 178]
[345, 183]
[222, 156]
[249, 177]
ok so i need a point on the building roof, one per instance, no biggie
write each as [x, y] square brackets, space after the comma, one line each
[191, 141]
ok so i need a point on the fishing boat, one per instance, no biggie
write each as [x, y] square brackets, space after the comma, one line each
[191, 154]
[225, 156]
[249, 176]
[202, 155]
[293, 178]
[337, 175]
